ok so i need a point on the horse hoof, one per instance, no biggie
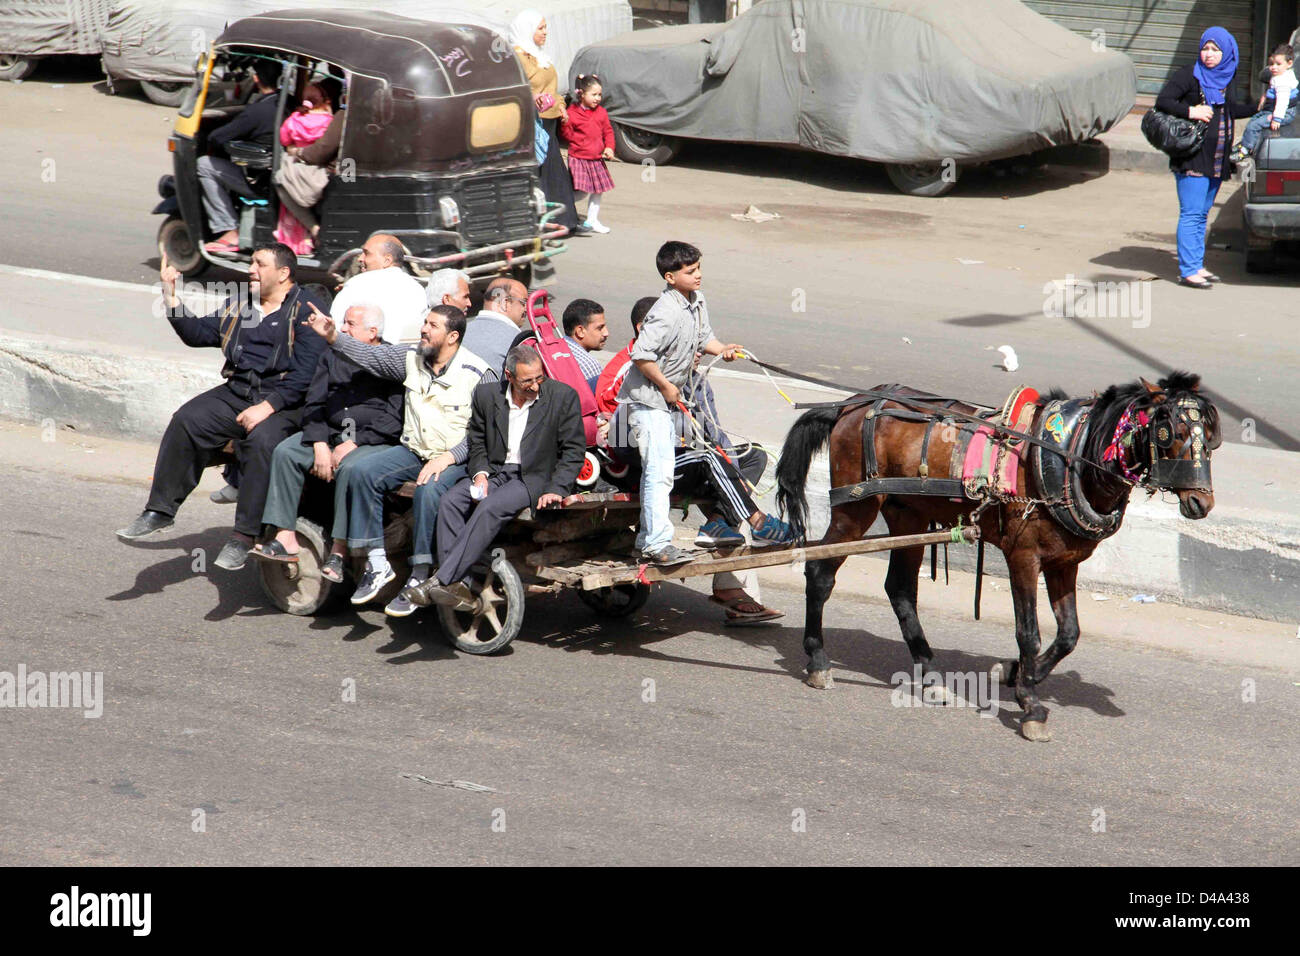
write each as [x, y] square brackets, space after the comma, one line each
[822, 680]
[1035, 730]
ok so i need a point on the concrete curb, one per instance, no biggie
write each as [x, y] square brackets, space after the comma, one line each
[92, 388]
[1244, 559]
[1101, 155]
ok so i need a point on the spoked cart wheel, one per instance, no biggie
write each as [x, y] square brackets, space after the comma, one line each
[299, 588]
[621, 600]
[499, 615]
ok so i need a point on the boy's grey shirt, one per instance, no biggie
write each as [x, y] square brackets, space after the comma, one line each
[675, 329]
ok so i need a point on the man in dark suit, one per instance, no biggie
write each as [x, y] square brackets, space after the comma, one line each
[526, 446]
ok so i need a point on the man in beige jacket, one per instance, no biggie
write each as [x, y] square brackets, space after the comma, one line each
[440, 377]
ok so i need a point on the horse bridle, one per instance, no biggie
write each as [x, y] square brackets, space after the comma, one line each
[1189, 472]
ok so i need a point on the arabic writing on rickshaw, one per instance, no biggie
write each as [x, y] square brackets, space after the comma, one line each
[458, 61]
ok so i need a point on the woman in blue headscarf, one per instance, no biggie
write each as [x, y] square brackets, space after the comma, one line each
[1200, 92]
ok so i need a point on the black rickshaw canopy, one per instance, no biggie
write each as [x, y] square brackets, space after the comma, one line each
[407, 77]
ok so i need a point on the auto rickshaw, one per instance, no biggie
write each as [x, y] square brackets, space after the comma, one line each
[437, 147]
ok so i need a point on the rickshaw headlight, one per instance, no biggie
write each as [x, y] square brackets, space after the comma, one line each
[539, 201]
[450, 211]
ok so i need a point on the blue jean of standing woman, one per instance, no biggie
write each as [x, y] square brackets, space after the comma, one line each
[1195, 200]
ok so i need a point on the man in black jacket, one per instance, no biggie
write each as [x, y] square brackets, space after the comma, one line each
[218, 176]
[526, 446]
[271, 354]
[349, 415]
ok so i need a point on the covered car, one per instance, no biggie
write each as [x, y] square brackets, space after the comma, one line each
[923, 85]
[157, 41]
[31, 29]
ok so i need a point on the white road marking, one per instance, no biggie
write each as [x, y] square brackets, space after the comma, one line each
[77, 280]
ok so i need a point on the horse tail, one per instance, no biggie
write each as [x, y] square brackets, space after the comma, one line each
[808, 436]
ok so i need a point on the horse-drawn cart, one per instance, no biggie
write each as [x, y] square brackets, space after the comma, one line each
[585, 544]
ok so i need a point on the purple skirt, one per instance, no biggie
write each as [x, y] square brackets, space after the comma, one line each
[590, 175]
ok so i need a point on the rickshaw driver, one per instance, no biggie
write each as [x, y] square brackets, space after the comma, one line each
[218, 176]
[271, 355]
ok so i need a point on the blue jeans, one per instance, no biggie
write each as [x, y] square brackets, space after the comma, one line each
[1195, 200]
[656, 440]
[1256, 125]
[387, 472]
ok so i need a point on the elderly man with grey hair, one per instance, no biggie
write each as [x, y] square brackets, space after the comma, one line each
[387, 284]
[348, 415]
[448, 287]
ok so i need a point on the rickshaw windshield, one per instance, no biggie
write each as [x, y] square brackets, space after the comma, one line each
[422, 97]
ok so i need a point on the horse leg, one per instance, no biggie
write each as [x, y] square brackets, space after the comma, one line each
[901, 585]
[1024, 595]
[820, 576]
[1061, 592]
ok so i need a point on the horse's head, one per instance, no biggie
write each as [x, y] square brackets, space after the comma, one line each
[1182, 429]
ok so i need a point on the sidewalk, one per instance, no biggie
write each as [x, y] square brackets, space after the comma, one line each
[1243, 559]
[1121, 147]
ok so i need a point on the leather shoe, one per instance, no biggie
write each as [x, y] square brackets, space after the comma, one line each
[455, 596]
[233, 555]
[149, 522]
[1183, 280]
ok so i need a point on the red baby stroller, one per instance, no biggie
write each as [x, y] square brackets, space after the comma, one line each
[558, 360]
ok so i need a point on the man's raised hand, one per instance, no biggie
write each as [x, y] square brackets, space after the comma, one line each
[169, 274]
[321, 324]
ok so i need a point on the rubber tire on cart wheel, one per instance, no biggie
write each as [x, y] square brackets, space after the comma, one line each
[923, 179]
[621, 600]
[14, 67]
[165, 94]
[1260, 261]
[636, 146]
[299, 589]
[497, 619]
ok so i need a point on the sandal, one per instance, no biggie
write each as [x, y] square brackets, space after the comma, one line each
[273, 551]
[745, 611]
[332, 569]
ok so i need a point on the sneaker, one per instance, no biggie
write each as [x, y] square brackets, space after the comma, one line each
[149, 522]
[596, 226]
[666, 555]
[225, 496]
[233, 554]
[372, 582]
[401, 605]
[718, 534]
[772, 532]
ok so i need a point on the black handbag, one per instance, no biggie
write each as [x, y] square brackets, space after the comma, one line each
[1173, 135]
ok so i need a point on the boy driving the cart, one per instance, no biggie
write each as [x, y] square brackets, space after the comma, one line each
[663, 357]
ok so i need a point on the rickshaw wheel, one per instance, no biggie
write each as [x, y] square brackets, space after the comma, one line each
[621, 600]
[499, 615]
[175, 241]
[299, 588]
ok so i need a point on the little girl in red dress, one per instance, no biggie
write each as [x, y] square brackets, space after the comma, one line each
[591, 142]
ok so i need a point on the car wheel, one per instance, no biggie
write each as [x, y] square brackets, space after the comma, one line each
[638, 145]
[923, 179]
[14, 67]
[175, 241]
[164, 94]
[1260, 260]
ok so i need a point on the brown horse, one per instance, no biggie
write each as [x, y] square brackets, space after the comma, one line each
[1157, 436]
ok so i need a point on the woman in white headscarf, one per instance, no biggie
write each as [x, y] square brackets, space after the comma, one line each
[528, 37]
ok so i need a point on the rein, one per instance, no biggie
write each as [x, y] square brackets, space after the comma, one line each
[865, 396]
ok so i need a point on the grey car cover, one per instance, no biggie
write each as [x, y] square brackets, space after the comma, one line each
[900, 81]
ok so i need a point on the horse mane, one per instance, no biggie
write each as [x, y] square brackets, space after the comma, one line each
[1112, 403]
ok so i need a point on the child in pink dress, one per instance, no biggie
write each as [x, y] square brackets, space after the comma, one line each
[302, 128]
[591, 141]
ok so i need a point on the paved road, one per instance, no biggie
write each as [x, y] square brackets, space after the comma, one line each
[214, 702]
[892, 288]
